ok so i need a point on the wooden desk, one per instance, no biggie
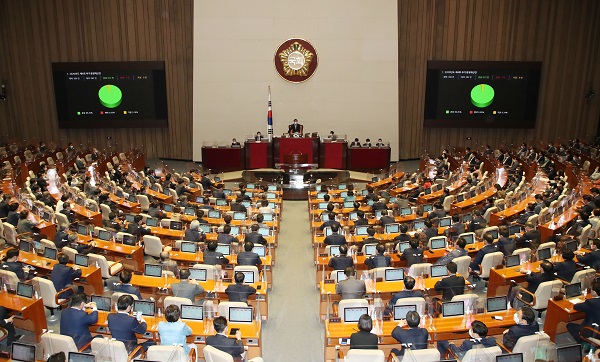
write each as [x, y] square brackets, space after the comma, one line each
[368, 158]
[555, 225]
[33, 315]
[559, 312]
[132, 256]
[471, 203]
[165, 199]
[332, 154]
[125, 205]
[167, 233]
[385, 182]
[223, 159]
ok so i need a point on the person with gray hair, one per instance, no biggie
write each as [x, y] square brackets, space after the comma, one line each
[167, 263]
[194, 233]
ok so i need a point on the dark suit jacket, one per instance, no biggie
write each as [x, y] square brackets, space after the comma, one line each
[13, 218]
[239, 292]
[15, 267]
[533, 236]
[123, 327]
[225, 344]
[506, 245]
[412, 256]
[364, 340]
[248, 258]
[3, 209]
[405, 294]
[359, 222]
[194, 235]
[237, 207]
[468, 344]
[256, 238]
[565, 270]
[402, 237]
[524, 216]
[384, 220]
[439, 213]
[591, 307]
[450, 286]
[214, 258]
[218, 194]
[340, 262]
[63, 275]
[223, 238]
[137, 230]
[378, 261]
[481, 253]
[590, 259]
[335, 239]
[415, 336]
[61, 239]
[328, 223]
[535, 279]
[129, 289]
[515, 332]
[75, 323]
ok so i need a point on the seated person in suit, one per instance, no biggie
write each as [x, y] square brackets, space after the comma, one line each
[24, 225]
[335, 238]
[403, 236]
[438, 211]
[237, 205]
[355, 143]
[136, 227]
[412, 255]
[13, 216]
[155, 212]
[225, 238]
[218, 192]
[331, 221]
[386, 219]
[582, 221]
[591, 259]
[254, 236]
[532, 237]
[200, 217]
[526, 326]
[295, 128]
[125, 285]
[123, 326]
[239, 292]
[478, 221]
[505, 244]
[408, 292]
[488, 247]
[367, 143]
[477, 332]
[364, 339]
[187, 288]
[456, 228]
[75, 321]
[591, 308]
[461, 243]
[248, 257]
[450, 285]
[361, 219]
[430, 230]
[112, 223]
[167, 263]
[12, 263]
[342, 261]
[380, 143]
[61, 238]
[380, 260]
[194, 233]
[257, 137]
[412, 338]
[566, 269]
[68, 212]
[182, 188]
[522, 219]
[533, 281]
[173, 331]
[6, 322]
[379, 204]
[62, 276]
[235, 143]
[371, 237]
[212, 256]
[222, 342]
[351, 288]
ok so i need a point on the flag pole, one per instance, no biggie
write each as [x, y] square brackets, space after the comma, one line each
[270, 118]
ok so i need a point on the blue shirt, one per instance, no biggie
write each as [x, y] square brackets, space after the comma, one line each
[174, 333]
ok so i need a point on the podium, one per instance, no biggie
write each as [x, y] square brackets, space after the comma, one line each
[332, 154]
[368, 159]
[304, 146]
[259, 154]
[223, 159]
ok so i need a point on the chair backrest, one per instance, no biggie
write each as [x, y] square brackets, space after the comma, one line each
[105, 211]
[144, 202]
[528, 345]
[378, 272]
[121, 234]
[470, 299]
[178, 301]
[166, 353]
[437, 238]
[365, 355]
[70, 252]
[61, 219]
[482, 354]
[109, 350]
[48, 244]
[211, 354]
[223, 308]
[585, 277]
[211, 270]
[448, 202]
[10, 234]
[174, 194]
[46, 290]
[418, 301]
[521, 252]
[489, 261]
[585, 233]
[462, 265]
[116, 160]
[488, 212]
[53, 343]
[105, 268]
[533, 219]
[152, 246]
[350, 303]
[419, 268]
[10, 278]
[429, 354]
[247, 268]
[550, 245]
[488, 229]
[545, 291]
[166, 223]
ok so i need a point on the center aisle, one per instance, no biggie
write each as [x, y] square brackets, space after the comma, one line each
[293, 332]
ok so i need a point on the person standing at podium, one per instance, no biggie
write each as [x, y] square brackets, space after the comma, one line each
[295, 128]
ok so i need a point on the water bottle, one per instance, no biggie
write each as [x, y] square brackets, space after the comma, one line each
[159, 314]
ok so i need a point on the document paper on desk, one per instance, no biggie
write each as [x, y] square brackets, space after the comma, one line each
[575, 300]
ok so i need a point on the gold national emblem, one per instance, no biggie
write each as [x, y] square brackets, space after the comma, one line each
[296, 60]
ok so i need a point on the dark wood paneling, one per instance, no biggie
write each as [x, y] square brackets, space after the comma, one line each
[564, 35]
[33, 34]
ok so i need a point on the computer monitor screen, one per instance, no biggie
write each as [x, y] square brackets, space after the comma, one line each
[224, 249]
[348, 204]
[247, 203]
[512, 260]
[82, 260]
[153, 270]
[152, 222]
[353, 216]
[437, 243]
[353, 314]
[323, 205]
[405, 211]
[569, 353]
[199, 199]
[370, 202]
[370, 249]
[205, 228]
[321, 195]
[82, 229]
[445, 221]
[240, 314]
[460, 198]
[267, 217]
[129, 217]
[250, 186]
[24, 246]
[217, 179]
[545, 253]
[571, 245]
[418, 225]
[103, 303]
[438, 271]
[342, 186]
[341, 276]
[264, 231]
[271, 195]
[104, 235]
[168, 208]
[189, 211]
[364, 192]
[193, 312]
[129, 239]
[400, 311]
[469, 237]
[511, 357]
[144, 306]
[494, 233]
[428, 191]
[227, 192]
[392, 275]
[496, 304]
[334, 250]
[197, 274]
[188, 247]
[214, 214]
[261, 250]
[473, 193]
[573, 290]
[272, 188]
[403, 246]
[239, 216]
[50, 253]
[361, 230]
[23, 352]
[25, 290]
[132, 198]
[235, 230]
[452, 309]
[46, 216]
[248, 277]
[327, 231]
[427, 207]
[392, 228]
[176, 225]
[343, 194]
[514, 229]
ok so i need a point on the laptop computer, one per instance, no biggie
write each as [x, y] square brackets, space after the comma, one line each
[50, 253]
[192, 312]
[361, 230]
[198, 274]
[22, 352]
[573, 290]
[513, 260]
[403, 246]
[269, 216]
[176, 225]
[146, 307]
[152, 222]
[261, 250]
[190, 211]
[334, 250]
[103, 303]
[240, 314]
[25, 290]
[129, 240]
[400, 311]
[224, 249]
[188, 247]
[438, 243]
[511, 357]
[545, 253]
[445, 221]
[205, 228]
[514, 229]
[341, 276]
[82, 260]
[352, 315]
[264, 231]
[370, 249]
[496, 304]
[248, 277]
[453, 309]
[571, 353]
[469, 237]
[104, 235]
[82, 230]
[168, 208]
[427, 207]
[353, 216]
[239, 216]
[342, 186]
[420, 224]
[392, 275]
[214, 214]
[571, 245]
[438, 271]
[130, 217]
[405, 211]
[392, 228]
[153, 270]
[25, 246]
[199, 199]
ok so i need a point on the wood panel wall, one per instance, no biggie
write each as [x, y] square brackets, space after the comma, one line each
[563, 34]
[33, 34]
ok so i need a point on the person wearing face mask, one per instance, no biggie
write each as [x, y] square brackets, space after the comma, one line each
[591, 308]
[478, 334]
[526, 325]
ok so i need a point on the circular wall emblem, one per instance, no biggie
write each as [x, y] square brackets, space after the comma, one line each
[296, 60]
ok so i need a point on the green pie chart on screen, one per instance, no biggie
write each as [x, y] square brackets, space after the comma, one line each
[110, 96]
[482, 95]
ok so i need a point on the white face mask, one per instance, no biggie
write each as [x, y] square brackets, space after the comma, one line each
[471, 334]
[516, 318]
